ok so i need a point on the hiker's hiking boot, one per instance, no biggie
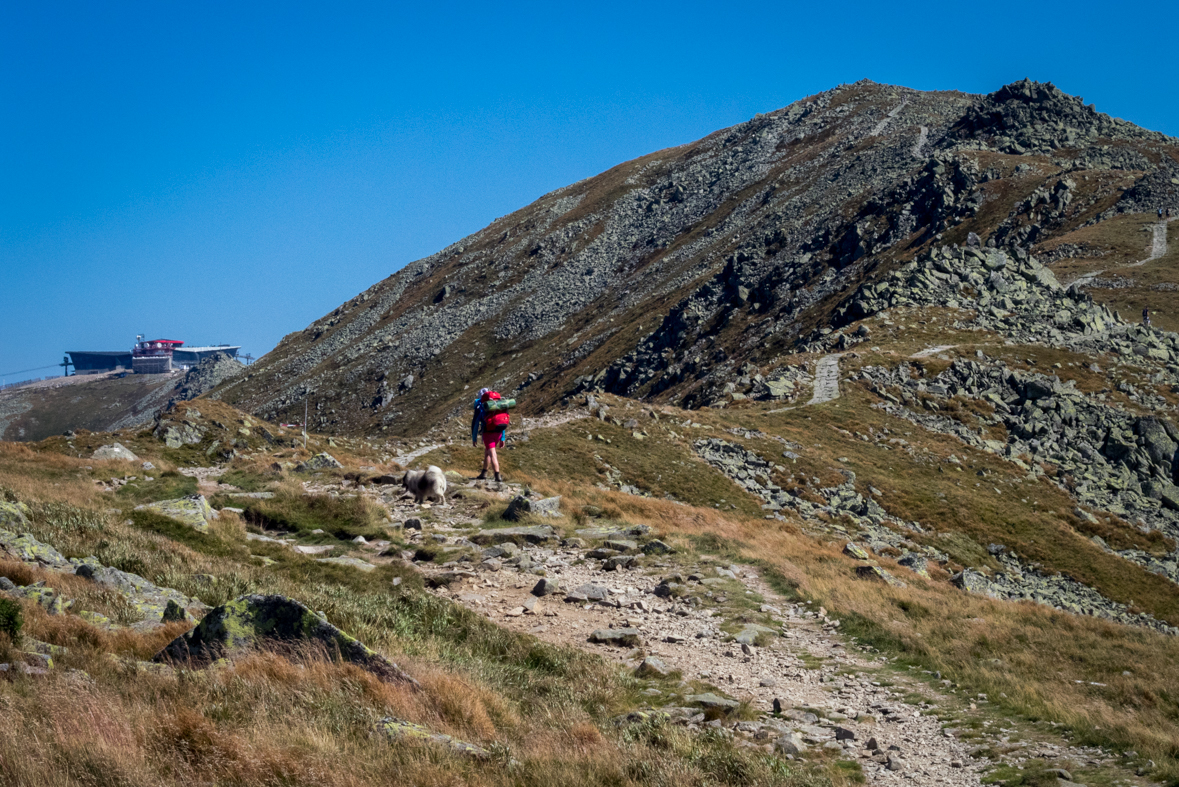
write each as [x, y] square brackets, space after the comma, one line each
[482, 476]
[498, 478]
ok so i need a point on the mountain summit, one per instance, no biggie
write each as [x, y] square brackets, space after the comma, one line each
[667, 275]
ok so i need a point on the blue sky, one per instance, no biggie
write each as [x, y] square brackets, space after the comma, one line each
[221, 173]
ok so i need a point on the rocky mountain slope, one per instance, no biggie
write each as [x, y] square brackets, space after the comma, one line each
[843, 458]
[669, 275]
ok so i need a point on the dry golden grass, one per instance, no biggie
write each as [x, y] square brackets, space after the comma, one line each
[1044, 661]
[297, 718]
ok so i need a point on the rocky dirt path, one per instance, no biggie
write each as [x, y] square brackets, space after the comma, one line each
[626, 597]
[826, 384]
[526, 425]
[406, 458]
[879, 128]
[919, 145]
[928, 351]
[1158, 243]
[832, 699]
[826, 379]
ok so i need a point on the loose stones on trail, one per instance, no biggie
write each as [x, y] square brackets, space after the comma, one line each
[539, 534]
[619, 638]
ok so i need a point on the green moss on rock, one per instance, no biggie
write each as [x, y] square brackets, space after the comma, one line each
[193, 511]
[256, 621]
[400, 730]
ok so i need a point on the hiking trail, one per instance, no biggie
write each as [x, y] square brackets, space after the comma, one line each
[826, 379]
[879, 128]
[920, 143]
[1158, 243]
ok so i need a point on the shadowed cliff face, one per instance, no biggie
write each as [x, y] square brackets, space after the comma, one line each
[665, 276]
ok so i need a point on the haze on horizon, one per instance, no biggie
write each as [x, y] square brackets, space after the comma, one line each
[219, 174]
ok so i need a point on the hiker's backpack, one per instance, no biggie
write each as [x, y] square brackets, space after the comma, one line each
[494, 421]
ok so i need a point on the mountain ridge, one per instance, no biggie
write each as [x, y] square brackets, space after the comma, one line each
[722, 252]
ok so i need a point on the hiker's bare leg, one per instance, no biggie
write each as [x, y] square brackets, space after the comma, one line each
[493, 457]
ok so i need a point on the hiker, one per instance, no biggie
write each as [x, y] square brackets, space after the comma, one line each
[1146, 317]
[1160, 214]
[492, 425]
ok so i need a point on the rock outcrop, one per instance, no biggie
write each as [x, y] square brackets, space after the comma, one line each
[193, 511]
[257, 621]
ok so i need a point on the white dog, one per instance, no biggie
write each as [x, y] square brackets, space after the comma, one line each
[426, 484]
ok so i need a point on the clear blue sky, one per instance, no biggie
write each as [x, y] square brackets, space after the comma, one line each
[216, 172]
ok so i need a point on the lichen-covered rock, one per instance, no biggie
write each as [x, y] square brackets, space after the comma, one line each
[173, 613]
[972, 581]
[400, 730]
[540, 534]
[13, 516]
[115, 451]
[25, 547]
[852, 549]
[193, 511]
[354, 562]
[521, 506]
[148, 603]
[710, 700]
[178, 435]
[256, 621]
[878, 573]
[915, 563]
[321, 461]
[652, 667]
[619, 638]
[46, 597]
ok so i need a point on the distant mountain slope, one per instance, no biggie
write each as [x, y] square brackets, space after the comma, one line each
[665, 275]
[101, 403]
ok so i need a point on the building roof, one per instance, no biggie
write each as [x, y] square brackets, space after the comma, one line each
[98, 352]
[219, 348]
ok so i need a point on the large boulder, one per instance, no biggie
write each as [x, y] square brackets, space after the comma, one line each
[257, 622]
[521, 506]
[13, 516]
[1156, 441]
[115, 451]
[24, 547]
[321, 461]
[193, 511]
[150, 603]
[177, 435]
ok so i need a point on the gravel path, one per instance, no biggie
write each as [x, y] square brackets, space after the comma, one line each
[526, 424]
[1158, 243]
[826, 379]
[807, 666]
[879, 128]
[405, 459]
[921, 141]
[928, 351]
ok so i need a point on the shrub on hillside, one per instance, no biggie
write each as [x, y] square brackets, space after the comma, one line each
[10, 618]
